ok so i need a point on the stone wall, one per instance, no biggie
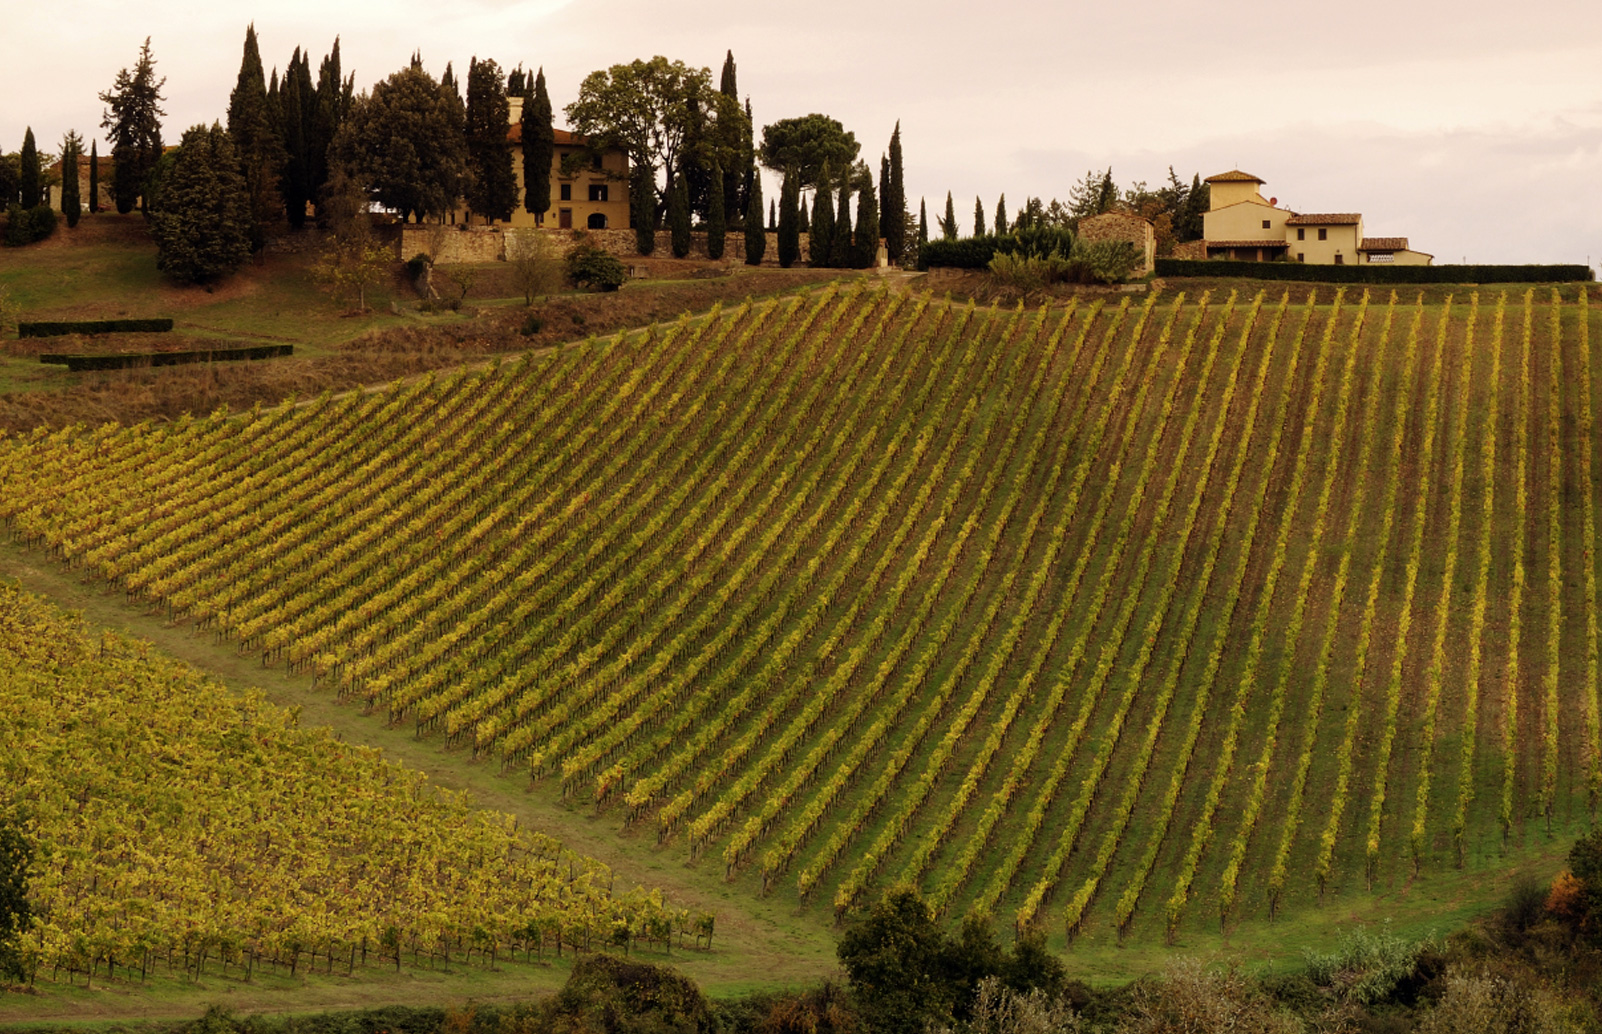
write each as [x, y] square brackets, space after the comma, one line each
[1122, 226]
[452, 244]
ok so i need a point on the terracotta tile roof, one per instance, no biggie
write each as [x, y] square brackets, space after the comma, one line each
[1233, 176]
[1325, 219]
[1247, 244]
[514, 135]
[1383, 244]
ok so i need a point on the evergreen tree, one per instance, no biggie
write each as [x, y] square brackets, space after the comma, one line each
[840, 246]
[750, 182]
[1188, 224]
[822, 238]
[8, 181]
[923, 223]
[1001, 215]
[1107, 195]
[978, 218]
[94, 176]
[30, 177]
[789, 219]
[642, 199]
[516, 85]
[295, 102]
[866, 238]
[71, 151]
[756, 242]
[884, 195]
[806, 220]
[539, 148]
[256, 141]
[895, 203]
[201, 212]
[773, 221]
[133, 116]
[679, 214]
[492, 190]
[330, 106]
[716, 224]
[948, 227]
[732, 180]
[404, 143]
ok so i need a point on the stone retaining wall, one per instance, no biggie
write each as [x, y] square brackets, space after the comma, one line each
[452, 244]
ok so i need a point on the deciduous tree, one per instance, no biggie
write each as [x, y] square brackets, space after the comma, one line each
[133, 118]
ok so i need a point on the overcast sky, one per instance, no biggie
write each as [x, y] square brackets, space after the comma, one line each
[1476, 133]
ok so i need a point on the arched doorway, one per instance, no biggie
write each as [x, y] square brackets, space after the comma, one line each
[597, 221]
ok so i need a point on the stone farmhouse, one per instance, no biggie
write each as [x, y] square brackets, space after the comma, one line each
[1241, 225]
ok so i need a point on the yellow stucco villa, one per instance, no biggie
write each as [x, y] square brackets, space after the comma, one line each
[1240, 224]
[592, 195]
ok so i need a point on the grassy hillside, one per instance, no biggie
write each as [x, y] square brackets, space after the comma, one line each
[1130, 617]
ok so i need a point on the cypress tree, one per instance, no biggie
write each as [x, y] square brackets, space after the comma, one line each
[895, 201]
[539, 148]
[679, 214]
[1001, 215]
[255, 140]
[29, 175]
[492, 193]
[728, 85]
[789, 219]
[329, 105]
[948, 229]
[295, 98]
[840, 246]
[822, 238]
[978, 218]
[806, 221]
[642, 196]
[773, 220]
[866, 237]
[94, 176]
[716, 225]
[923, 222]
[756, 242]
[750, 183]
[71, 151]
[1108, 194]
[884, 195]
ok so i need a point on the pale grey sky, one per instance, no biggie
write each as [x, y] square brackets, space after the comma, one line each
[1475, 128]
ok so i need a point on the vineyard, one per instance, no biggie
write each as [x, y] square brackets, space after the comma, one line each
[1140, 614]
[182, 828]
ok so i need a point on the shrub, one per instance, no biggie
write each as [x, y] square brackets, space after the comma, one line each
[592, 267]
[28, 225]
[531, 325]
[976, 252]
[1367, 274]
[1367, 968]
[1492, 1005]
[418, 265]
[1104, 262]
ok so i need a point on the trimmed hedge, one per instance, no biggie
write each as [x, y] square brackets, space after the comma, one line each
[1376, 274]
[976, 252]
[140, 360]
[94, 327]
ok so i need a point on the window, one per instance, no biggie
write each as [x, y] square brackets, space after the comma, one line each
[1340, 260]
[1301, 234]
[1267, 225]
[595, 162]
[597, 191]
[567, 192]
[1323, 234]
[1300, 257]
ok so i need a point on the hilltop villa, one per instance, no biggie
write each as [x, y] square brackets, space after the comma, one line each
[1239, 224]
[590, 192]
